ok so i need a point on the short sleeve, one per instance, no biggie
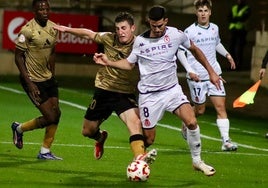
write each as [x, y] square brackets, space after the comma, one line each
[24, 36]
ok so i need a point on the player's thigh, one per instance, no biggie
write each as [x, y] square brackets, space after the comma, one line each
[151, 109]
[100, 107]
[213, 91]
[186, 114]
[131, 118]
[217, 97]
[123, 102]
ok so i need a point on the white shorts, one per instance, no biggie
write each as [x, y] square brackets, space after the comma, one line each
[199, 90]
[152, 106]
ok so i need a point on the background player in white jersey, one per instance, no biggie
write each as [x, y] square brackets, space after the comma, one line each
[205, 35]
[155, 53]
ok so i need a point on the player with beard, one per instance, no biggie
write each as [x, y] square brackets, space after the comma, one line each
[159, 90]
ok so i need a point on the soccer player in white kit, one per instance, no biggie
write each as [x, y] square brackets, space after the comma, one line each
[155, 53]
[205, 35]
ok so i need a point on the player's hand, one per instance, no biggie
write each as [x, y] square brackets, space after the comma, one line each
[60, 28]
[216, 80]
[231, 61]
[101, 59]
[194, 76]
[34, 93]
[262, 73]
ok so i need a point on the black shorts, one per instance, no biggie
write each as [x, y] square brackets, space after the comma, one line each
[48, 89]
[105, 102]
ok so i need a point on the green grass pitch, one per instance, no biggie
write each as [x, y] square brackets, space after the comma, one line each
[248, 167]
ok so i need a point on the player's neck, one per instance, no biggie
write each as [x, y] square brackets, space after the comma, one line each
[206, 25]
[153, 35]
[42, 24]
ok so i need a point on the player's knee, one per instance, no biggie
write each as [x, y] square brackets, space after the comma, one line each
[85, 132]
[54, 119]
[91, 128]
[51, 119]
[191, 124]
[200, 111]
[89, 131]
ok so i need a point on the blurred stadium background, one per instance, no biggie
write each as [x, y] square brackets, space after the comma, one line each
[99, 14]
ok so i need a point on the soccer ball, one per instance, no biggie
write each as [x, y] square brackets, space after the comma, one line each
[138, 170]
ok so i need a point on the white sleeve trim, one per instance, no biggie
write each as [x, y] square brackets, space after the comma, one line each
[221, 50]
[183, 60]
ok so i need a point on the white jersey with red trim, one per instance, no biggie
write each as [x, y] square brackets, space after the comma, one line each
[206, 39]
[156, 58]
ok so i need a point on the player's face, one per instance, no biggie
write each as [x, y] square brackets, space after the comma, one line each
[158, 28]
[41, 11]
[203, 14]
[124, 32]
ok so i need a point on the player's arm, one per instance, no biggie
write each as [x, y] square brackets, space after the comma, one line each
[20, 62]
[265, 60]
[183, 60]
[200, 57]
[262, 72]
[221, 50]
[52, 60]
[263, 65]
[80, 32]
[102, 59]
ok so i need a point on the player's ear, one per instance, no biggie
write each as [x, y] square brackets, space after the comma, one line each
[133, 28]
[166, 20]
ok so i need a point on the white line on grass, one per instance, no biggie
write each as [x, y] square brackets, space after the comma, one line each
[127, 148]
[159, 124]
[12, 90]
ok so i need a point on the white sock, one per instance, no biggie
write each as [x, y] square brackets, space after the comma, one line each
[44, 150]
[194, 142]
[19, 128]
[224, 125]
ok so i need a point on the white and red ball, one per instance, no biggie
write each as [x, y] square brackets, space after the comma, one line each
[138, 170]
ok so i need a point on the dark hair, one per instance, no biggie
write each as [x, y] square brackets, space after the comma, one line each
[37, 1]
[124, 16]
[201, 3]
[157, 12]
